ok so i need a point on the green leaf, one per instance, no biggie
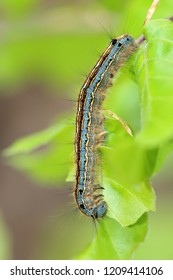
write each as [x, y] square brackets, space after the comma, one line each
[162, 155]
[154, 72]
[114, 242]
[123, 100]
[46, 156]
[34, 141]
[126, 160]
[127, 203]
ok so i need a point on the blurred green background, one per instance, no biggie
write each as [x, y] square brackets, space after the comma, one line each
[46, 47]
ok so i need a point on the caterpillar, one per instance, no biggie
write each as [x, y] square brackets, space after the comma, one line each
[89, 125]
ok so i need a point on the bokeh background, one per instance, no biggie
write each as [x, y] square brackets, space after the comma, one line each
[46, 48]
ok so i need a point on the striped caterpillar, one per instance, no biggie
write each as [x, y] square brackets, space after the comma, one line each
[89, 125]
